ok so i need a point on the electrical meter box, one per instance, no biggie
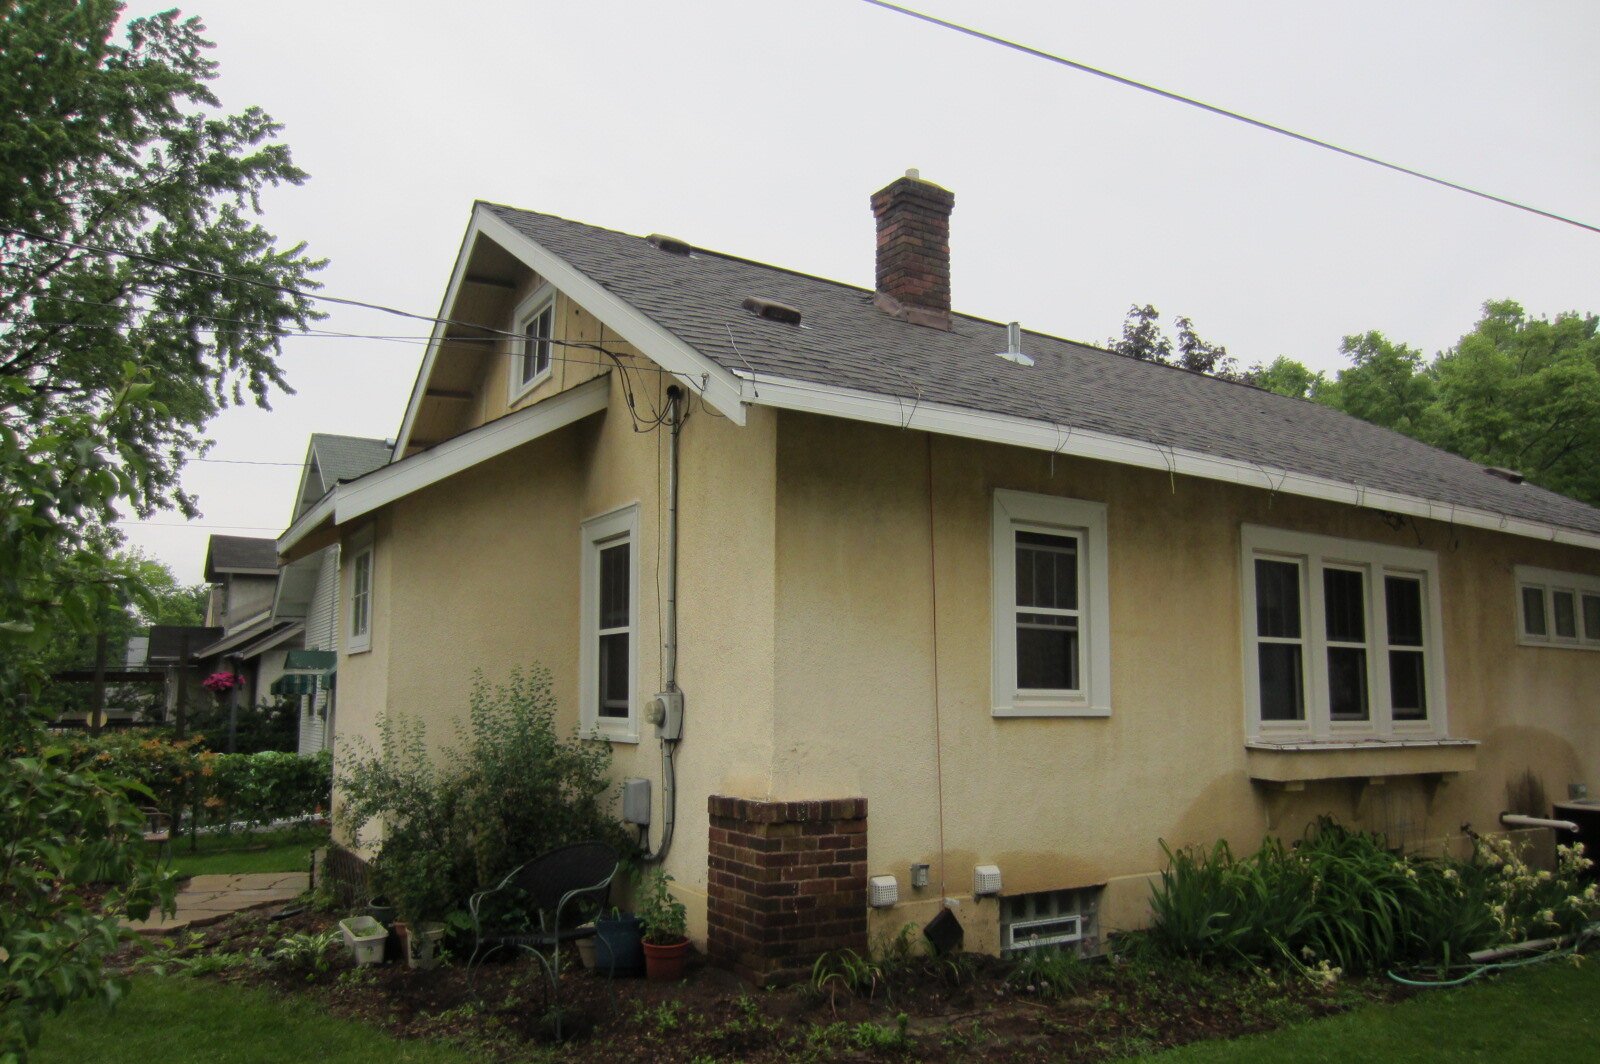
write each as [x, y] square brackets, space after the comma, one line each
[636, 801]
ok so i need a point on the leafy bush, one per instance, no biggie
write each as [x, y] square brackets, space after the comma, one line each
[664, 917]
[1340, 901]
[271, 725]
[510, 790]
[271, 785]
[181, 774]
[62, 822]
[1048, 971]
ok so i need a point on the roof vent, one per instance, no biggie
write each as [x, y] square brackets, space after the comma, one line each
[1013, 351]
[670, 244]
[1510, 475]
[772, 310]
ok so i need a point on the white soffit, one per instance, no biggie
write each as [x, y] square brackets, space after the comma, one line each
[1037, 435]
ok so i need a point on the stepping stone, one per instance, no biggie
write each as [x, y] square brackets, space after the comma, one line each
[207, 899]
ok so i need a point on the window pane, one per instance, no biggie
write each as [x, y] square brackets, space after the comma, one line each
[1533, 611]
[1047, 571]
[1402, 597]
[1347, 683]
[614, 675]
[1407, 685]
[1047, 652]
[1282, 690]
[1565, 608]
[1277, 599]
[1591, 616]
[614, 586]
[1344, 601]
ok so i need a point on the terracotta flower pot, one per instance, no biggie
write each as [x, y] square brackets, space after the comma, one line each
[664, 964]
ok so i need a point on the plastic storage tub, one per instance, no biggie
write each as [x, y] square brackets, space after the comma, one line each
[365, 937]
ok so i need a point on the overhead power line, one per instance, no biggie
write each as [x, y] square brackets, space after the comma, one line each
[1175, 97]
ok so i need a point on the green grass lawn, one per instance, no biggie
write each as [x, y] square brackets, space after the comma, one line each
[181, 1020]
[287, 850]
[1542, 1014]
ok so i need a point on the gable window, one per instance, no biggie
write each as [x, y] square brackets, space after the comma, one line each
[1557, 609]
[360, 615]
[535, 323]
[1051, 607]
[1342, 638]
[609, 652]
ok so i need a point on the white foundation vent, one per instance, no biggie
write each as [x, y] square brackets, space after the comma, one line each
[882, 891]
[985, 880]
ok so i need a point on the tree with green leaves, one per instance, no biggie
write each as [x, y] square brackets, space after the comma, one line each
[139, 295]
[1515, 392]
[1144, 339]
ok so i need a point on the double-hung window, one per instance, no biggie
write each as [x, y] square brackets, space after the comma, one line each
[609, 651]
[1341, 637]
[1557, 609]
[1052, 649]
[531, 354]
[359, 630]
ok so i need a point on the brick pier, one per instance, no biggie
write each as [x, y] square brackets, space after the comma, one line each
[788, 881]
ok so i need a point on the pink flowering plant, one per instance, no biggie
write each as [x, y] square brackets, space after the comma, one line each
[222, 682]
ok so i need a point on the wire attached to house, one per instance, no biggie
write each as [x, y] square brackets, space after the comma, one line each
[1223, 112]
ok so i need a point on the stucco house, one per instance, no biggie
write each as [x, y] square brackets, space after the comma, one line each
[307, 592]
[935, 592]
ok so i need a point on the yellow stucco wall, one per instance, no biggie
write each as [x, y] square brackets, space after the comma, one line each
[1062, 803]
[481, 571]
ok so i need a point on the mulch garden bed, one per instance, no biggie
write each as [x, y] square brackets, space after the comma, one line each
[923, 1008]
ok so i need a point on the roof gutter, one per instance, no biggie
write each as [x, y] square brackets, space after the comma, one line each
[786, 394]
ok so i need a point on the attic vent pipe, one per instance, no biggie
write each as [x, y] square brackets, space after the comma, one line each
[1013, 351]
[670, 244]
[1510, 475]
[772, 310]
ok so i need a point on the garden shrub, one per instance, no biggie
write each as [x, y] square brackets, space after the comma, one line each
[181, 775]
[509, 790]
[1340, 901]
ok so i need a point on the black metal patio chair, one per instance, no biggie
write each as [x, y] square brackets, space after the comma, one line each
[577, 876]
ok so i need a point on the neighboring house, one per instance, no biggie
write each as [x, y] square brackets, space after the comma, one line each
[308, 588]
[171, 648]
[243, 574]
[1011, 607]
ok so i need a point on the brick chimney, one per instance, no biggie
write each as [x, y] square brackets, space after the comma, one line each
[914, 250]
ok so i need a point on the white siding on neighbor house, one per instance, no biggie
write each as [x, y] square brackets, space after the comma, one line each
[321, 634]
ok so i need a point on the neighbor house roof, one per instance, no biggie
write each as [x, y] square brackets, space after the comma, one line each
[347, 457]
[167, 642]
[847, 358]
[241, 554]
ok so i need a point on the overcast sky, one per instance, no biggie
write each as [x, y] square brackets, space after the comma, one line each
[760, 127]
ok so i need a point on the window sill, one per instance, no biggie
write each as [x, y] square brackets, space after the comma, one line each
[1025, 712]
[613, 735]
[1302, 760]
[523, 389]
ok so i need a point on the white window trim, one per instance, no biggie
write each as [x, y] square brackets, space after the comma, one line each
[1087, 520]
[598, 532]
[544, 297]
[1312, 552]
[361, 546]
[1550, 581]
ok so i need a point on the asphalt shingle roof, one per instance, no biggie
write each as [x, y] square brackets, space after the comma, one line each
[347, 457]
[228, 554]
[847, 342]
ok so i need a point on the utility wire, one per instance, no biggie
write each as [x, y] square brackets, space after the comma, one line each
[1051, 57]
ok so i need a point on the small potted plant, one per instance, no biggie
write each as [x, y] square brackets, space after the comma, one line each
[666, 928]
[415, 880]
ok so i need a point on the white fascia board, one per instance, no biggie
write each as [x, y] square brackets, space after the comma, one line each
[308, 522]
[1059, 439]
[716, 385]
[383, 486]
